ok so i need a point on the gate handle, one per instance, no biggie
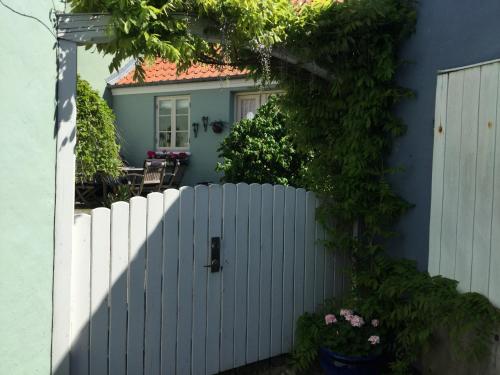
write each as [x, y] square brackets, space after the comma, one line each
[214, 255]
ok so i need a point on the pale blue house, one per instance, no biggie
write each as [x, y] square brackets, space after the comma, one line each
[175, 112]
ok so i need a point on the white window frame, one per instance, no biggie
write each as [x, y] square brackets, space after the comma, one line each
[173, 117]
[259, 94]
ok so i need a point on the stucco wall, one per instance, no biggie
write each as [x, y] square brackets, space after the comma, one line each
[449, 34]
[93, 66]
[27, 155]
[136, 127]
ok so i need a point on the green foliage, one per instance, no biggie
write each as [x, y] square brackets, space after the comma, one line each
[96, 147]
[415, 306]
[120, 193]
[261, 150]
[173, 29]
[349, 123]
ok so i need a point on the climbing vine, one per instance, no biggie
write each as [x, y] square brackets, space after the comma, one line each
[337, 62]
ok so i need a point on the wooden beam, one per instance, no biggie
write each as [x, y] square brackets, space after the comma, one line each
[84, 28]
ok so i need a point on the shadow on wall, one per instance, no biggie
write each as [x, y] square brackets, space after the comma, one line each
[143, 301]
[65, 94]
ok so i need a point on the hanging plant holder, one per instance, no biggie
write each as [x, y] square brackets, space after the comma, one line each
[217, 127]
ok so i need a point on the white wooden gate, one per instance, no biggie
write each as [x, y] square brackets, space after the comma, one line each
[464, 237]
[143, 301]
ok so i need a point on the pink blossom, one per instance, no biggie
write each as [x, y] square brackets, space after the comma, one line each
[374, 340]
[375, 322]
[345, 312]
[357, 321]
[330, 319]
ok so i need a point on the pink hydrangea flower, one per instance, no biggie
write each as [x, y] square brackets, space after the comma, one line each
[345, 312]
[330, 319]
[374, 340]
[357, 321]
[375, 322]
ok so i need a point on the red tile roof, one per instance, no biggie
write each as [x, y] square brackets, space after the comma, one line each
[164, 71]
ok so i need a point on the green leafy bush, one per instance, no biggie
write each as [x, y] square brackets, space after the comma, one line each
[261, 150]
[97, 149]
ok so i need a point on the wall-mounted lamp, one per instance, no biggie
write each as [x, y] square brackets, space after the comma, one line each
[195, 129]
[205, 122]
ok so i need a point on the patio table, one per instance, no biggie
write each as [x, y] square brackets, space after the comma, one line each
[128, 170]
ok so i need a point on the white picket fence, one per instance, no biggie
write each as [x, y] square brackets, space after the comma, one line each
[143, 302]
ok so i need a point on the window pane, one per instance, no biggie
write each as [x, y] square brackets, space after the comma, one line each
[182, 139]
[248, 107]
[165, 107]
[165, 139]
[181, 123]
[165, 123]
[182, 106]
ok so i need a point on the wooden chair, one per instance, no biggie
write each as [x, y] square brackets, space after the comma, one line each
[174, 178]
[85, 191]
[151, 179]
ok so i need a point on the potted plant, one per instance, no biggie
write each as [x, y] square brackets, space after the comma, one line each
[346, 342]
[217, 126]
[182, 157]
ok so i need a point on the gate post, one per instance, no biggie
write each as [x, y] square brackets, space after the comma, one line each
[65, 202]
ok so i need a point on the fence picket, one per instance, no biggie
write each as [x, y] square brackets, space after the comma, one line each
[118, 292]
[479, 229]
[201, 258]
[319, 260]
[241, 277]
[310, 253]
[80, 296]
[266, 247]
[170, 277]
[288, 265]
[228, 277]
[299, 266]
[253, 273]
[277, 270]
[137, 264]
[154, 256]
[214, 284]
[185, 301]
[99, 289]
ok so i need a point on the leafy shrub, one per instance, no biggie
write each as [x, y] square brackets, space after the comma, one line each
[261, 150]
[96, 148]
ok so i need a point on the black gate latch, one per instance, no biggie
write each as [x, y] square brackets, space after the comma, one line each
[214, 255]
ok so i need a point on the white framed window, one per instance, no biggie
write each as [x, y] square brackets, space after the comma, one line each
[248, 103]
[173, 123]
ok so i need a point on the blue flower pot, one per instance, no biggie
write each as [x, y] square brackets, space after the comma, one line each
[338, 364]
